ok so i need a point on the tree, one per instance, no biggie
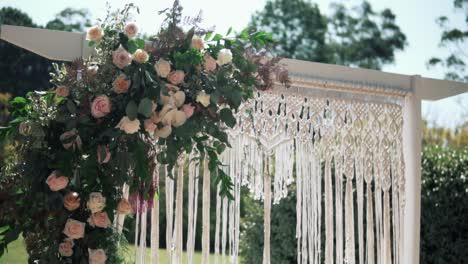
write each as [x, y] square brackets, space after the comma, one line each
[455, 41]
[354, 37]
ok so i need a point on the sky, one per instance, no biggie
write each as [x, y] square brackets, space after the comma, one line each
[416, 19]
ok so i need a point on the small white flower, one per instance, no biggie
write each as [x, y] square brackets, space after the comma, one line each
[224, 57]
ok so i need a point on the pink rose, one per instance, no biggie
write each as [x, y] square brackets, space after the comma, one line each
[188, 110]
[101, 106]
[124, 207]
[74, 229]
[121, 58]
[62, 91]
[131, 30]
[197, 43]
[121, 84]
[96, 202]
[103, 154]
[66, 247]
[97, 256]
[99, 219]
[176, 77]
[71, 139]
[55, 182]
[210, 63]
[94, 34]
[149, 126]
[71, 201]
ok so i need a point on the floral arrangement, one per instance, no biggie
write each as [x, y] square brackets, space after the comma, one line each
[110, 118]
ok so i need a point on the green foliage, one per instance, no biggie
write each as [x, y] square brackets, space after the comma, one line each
[355, 37]
[455, 41]
[443, 205]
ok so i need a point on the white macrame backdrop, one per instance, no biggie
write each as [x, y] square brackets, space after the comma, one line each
[344, 155]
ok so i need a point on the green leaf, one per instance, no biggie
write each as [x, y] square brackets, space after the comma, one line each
[132, 46]
[208, 35]
[229, 31]
[227, 117]
[91, 43]
[217, 37]
[71, 107]
[131, 110]
[140, 43]
[145, 107]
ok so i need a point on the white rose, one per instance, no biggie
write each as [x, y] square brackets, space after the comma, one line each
[129, 126]
[224, 57]
[96, 202]
[203, 98]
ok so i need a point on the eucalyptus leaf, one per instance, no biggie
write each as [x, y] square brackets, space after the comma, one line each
[227, 117]
[145, 107]
[131, 110]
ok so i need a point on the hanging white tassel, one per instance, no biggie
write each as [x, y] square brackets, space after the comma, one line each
[267, 213]
[360, 201]
[155, 219]
[206, 213]
[178, 227]
[192, 206]
[169, 182]
[370, 226]
[143, 231]
[339, 208]
[137, 228]
[218, 219]
[329, 238]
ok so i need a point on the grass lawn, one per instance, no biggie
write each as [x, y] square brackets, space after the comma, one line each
[17, 255]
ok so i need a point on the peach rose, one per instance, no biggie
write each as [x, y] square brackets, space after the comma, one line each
[124, 207]
[101, 106]
[66, 248]
[176, 77]
[96, 202]
[140, 56]
[99, 219]
[129, 126]
[74, 229]
[103, 154]
[188, 110]
[121, 84]
[149, 126]
[97, 256]
[162, 68]
[197, 43]
[71, 139]
[94, 34]
[131, 30]
[57, 183]
[179, 98]
[179, 118]
[155, 118]
[121, 58]
[210, 63]
[163, 132]
[71, 201]
[62, 91]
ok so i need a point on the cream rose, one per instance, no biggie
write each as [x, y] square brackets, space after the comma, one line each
[24, 128]
[121, 84]
[95, 34]
[179, 98]
[71, 139]
[56, 182]
[197, 43]
[131, 30]
[203, 98]
[74, 229]
[71, 201]
[62, 91]
[210, 63]
[96, 202]
[179, 118]
[101, 106]
[124, 207]
[66, 248]
[129, 126]
[163, 132]
[224, 57]
[162, 68]
[169, 117]
[99, 219]
[121, 58]
[97, 256]
[140, 56]
[188, 110]
[176, 77]
[103, 154]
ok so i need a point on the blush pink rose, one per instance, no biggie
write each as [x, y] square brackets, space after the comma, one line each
[71, 139]
[140, 56]
[99, 219]
[74, 229]
[197, 43]
[66, 248]
[188, 110]
[56, 182]
[210, 63]
[103, 154]
[121, 84]
[149, 126]
[121, 58]
[101, 106]
[62, 91]
[131, 30]
[124, 207]
[176, 77]
[71, 201]
[97, 256]
[95, 34]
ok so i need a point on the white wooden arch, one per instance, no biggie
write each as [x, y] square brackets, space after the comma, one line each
[309, 78]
